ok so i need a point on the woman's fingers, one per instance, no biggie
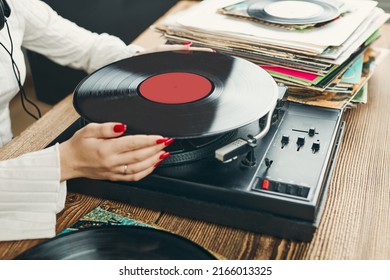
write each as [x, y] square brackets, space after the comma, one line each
[201, 49]
[124, 143]
[138, 161]
[129, 166]
[137, 169]
[104, 130]
[137, 142]
[139, 155]
[131, 177]
[176, 47]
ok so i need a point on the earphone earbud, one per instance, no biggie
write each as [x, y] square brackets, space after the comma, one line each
[5, 12]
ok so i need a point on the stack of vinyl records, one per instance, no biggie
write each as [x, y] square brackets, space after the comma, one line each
[322, 50]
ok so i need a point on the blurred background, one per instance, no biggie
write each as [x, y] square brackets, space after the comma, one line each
[47, 83]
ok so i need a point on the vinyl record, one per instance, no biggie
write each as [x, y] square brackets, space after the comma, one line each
[293, 11]
[177, 94]
[117, 243]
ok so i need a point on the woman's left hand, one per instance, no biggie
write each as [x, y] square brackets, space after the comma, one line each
[184, 47]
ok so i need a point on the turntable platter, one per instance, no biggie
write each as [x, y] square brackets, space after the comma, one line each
[177, 94]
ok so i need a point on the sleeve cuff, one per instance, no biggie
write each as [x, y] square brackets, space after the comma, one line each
[31, 195]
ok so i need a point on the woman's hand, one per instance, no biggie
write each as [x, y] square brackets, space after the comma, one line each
[185, 47]
[97, 152]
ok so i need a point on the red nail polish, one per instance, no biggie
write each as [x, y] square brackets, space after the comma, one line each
[187, 43]
[162, 140]
[169, 141]
[165, 155]
[119, 128]
[157, 163]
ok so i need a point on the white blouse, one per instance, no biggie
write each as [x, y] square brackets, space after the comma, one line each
[30, 189]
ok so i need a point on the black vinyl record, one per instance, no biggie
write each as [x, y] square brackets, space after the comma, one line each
[177, 94]
[293, 11]
[117, 243]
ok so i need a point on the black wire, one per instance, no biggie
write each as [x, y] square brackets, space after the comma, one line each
[15, 68]
[22, 92]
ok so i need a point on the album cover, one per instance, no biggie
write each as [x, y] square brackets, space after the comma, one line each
[336, 97]
[104, 216]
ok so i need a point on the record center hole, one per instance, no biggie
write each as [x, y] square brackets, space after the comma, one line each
[175, 88]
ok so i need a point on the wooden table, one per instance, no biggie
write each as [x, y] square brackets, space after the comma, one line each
[355, 223]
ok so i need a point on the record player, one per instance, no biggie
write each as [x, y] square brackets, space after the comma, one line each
[242, 157]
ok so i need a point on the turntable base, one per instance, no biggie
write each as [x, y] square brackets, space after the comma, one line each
[281, 194]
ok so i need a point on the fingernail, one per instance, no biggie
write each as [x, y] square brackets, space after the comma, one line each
[157, 163]
[214, 51]
[120, 128]
[169, 141]
[165, 155]
[162, 140]
[187, 43]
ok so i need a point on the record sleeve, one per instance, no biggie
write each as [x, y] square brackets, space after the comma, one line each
[293, 12]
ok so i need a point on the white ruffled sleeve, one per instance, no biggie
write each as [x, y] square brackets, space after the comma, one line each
[66, 43]
[31, 195]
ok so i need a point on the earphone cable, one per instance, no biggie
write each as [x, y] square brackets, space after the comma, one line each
[15, 68]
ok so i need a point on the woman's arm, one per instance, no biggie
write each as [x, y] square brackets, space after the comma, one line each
[30, 195]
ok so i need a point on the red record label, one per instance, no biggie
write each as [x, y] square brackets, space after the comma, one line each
[175, 88]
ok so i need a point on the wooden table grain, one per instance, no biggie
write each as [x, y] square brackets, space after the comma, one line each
[355, 224]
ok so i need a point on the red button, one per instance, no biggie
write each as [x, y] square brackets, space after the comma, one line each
[265, 185]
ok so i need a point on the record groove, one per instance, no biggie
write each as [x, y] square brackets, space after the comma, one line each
[117, 243]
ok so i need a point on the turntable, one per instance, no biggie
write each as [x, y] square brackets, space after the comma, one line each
[243, 157]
